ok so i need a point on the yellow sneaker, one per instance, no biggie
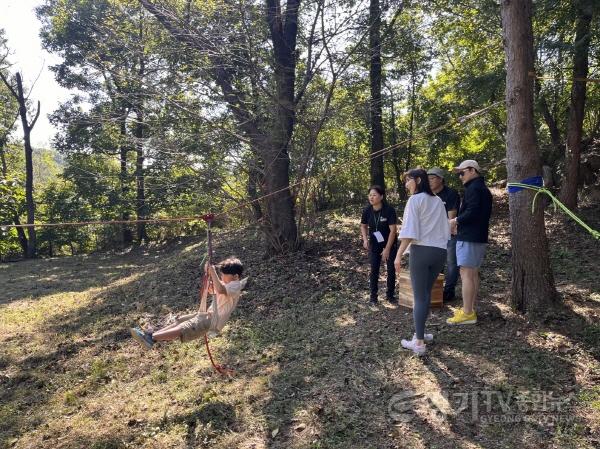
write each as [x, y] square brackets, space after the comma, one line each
[460, 317]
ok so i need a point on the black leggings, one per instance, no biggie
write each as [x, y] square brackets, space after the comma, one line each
[425, 263]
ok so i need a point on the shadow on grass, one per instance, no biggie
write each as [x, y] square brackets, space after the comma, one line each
[97, 328]
[332, 364]
[205, 424]
[340, 364]
[24, 394]
[33, 279]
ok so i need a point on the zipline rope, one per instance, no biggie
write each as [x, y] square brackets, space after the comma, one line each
[577, 78]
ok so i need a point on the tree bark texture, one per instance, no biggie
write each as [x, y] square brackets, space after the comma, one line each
[568, 191]
[532, 280]
[375, 109]
[126, 234]
[27, 127]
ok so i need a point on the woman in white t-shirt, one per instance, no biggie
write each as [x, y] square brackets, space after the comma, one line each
[424, 235]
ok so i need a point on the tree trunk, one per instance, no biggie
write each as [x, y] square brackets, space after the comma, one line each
[282, 234]
[532, 280]
[411, 124]
[377, 170]
[140, 134]
[568, 192]
[27, 127]
[396, 150]
[255, 179]
[141, 208]
[272, 145]
[3, 159]
[126, 234]
[280, 205]
[550, 121]
[21, 235]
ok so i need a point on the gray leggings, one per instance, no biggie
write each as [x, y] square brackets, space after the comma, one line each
[425, 263]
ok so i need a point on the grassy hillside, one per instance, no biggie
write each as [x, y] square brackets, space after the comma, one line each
[315, 366]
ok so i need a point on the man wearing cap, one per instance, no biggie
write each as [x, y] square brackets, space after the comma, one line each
[471, 227]
[451, 201]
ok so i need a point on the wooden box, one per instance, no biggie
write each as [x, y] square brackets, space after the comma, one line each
[405, 295]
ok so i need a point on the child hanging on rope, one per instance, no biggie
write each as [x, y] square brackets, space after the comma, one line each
[189, 327]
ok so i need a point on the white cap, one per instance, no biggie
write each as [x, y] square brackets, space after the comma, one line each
[469, 163]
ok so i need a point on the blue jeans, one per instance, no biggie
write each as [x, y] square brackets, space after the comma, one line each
[452, 271]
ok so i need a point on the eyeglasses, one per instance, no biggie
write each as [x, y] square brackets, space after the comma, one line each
[462, 173]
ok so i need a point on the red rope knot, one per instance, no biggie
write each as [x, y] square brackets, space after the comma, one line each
[208, 218]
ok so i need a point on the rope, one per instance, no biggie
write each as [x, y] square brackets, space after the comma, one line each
[555, 202]
[5, 227]
[223, 370]
[577, 78]
[204, 286]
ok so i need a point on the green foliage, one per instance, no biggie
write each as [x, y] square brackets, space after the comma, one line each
[60, 202]
[131, 80]
[147, 107]
[12, 199]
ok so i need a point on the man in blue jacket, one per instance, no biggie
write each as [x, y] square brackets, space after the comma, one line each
[471, 227]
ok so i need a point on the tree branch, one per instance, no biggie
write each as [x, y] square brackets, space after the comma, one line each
[37, 115]
[222, 76]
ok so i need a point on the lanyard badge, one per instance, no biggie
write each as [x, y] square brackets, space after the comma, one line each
[377, 234]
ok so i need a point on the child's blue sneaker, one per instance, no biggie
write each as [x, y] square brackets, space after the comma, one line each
[142, 338]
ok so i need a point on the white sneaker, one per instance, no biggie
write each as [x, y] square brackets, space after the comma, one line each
[412, 345]
[428, 337]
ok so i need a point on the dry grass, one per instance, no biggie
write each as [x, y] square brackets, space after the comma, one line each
[315, 367]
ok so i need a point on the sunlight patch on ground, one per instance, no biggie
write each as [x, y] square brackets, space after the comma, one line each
[595, 297]
[345, 320]
[191, 248]
[27, 315]
[314, 366]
